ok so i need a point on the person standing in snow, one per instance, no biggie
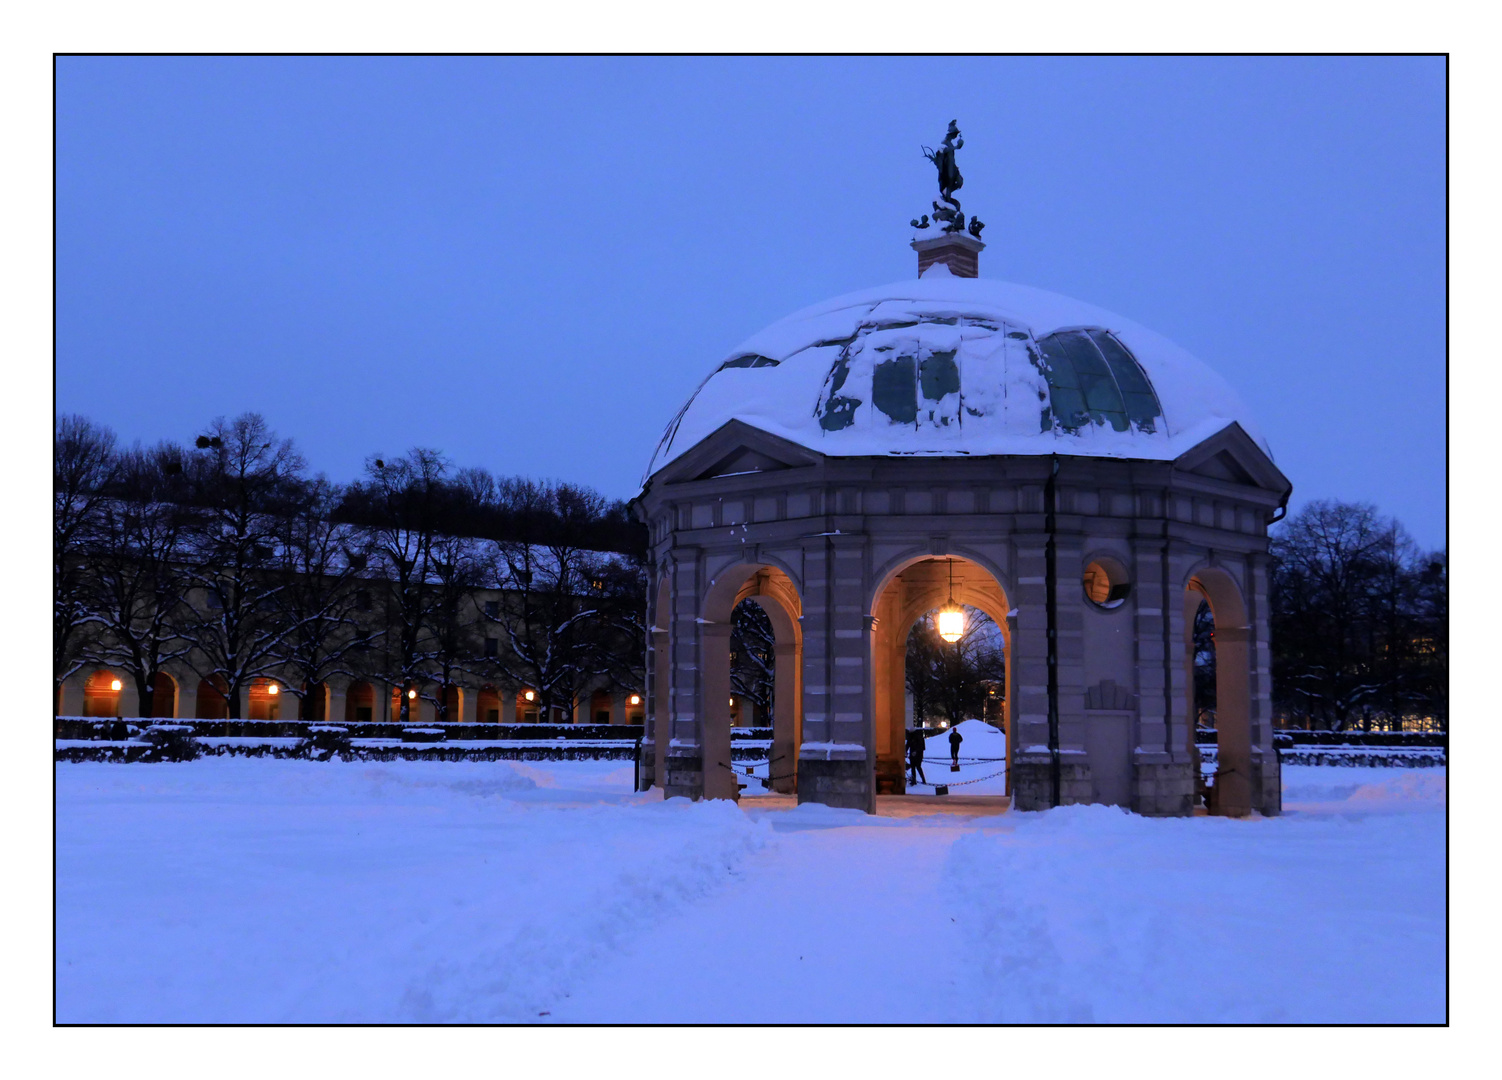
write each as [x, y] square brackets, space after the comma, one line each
[915, 756]
[955, 738]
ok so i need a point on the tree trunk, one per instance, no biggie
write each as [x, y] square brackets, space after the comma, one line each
[144, 688]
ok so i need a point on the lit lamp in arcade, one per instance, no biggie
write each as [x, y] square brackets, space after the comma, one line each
[115, 685]
[636, 699]
[952, 617]
[273, 689]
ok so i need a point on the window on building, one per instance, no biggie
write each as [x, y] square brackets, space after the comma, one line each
[1093, 379]
[492, 609]
[492, 647]
[362, 600]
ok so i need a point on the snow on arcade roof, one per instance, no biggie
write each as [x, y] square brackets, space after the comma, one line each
[946, 366]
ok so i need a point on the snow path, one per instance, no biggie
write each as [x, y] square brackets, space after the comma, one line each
[780, 946]
[237, 890]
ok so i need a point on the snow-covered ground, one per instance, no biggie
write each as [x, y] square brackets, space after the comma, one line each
[230, 889]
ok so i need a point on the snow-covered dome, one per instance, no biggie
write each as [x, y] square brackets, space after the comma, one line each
[945, 366]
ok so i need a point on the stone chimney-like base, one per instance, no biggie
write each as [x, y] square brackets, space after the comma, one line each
[959, 251]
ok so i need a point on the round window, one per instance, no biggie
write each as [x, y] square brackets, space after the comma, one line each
[1106, 584]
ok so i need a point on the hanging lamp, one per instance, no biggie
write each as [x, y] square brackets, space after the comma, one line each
[952, 617]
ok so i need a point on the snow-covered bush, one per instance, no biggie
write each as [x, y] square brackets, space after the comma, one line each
[171, 742]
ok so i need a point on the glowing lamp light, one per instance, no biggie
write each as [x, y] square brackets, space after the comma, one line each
[529, 695]
[732, 703]
[952, 624]
[411, 695]
[273, 689]
[636, 699]
[115, 684]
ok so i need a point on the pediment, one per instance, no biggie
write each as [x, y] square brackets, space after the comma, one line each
[736, 449]
[1233, 457]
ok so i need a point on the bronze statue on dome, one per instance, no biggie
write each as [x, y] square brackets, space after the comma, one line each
[950, 181]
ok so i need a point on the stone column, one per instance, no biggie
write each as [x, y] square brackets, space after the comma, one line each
[1031, 771]
[787, 698]
[659, 671]
[1268, 794]
[187, 697]
[840, 769]
[684, 766]
[713, 708]
[1163, 769]
[338, 703]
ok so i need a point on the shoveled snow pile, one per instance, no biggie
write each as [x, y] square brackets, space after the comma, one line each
[266, 890]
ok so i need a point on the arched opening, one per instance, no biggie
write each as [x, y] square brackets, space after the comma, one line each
[359, 703]
[453, 704]
[313, 706]
[772, 633]
[409, 697]
[599, 707]
[488, 705]
[212, 702]
[101, 694]
[527, 700]
[916, 591]
[635, 709]
[163, 695]
[1234, 781]
[264, 700]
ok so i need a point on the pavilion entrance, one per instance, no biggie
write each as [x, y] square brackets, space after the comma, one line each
[946, 583]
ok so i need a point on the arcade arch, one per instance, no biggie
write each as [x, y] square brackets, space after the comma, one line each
[1234, 771]
[163, 696]
[907, 593]
[211, 701]
[774, 592]
[359, 703]
[101, 694]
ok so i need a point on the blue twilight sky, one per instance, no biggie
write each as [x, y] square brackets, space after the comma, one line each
[530, 263]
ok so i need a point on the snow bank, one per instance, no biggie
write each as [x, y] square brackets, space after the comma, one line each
[232, 890]
[266, 891]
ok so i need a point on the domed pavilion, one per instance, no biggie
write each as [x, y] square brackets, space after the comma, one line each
[951, 441]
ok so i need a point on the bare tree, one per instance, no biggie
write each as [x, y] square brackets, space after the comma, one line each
[554, 596]
[753, 657]
[83, 464]
[953, 679]
[1352, 639]
[138, 577]
[448, 648]
[320, 562]
[243, 481]
[403, 503]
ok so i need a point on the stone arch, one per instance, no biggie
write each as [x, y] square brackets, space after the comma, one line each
[488, 705]
[213, 699]
[775, 592]
[453, 703]
[1235, 774]
[101, 693]
[313, 705]
[163, 695]
[359, 703]
[906, 590]
[264, 699]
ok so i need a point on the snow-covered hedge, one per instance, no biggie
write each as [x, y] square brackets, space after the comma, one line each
[1395, 757]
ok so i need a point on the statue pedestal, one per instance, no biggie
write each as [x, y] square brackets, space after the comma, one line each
[959, 251]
